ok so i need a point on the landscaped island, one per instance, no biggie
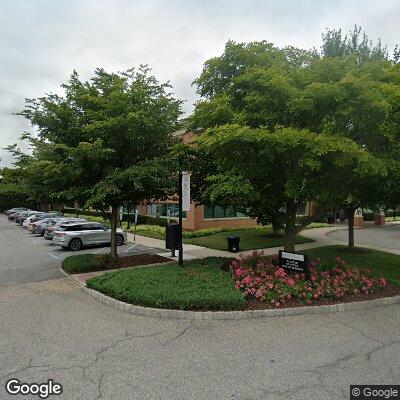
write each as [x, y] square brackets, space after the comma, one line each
[256, 281]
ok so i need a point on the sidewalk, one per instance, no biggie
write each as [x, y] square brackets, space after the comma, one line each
[191, 251]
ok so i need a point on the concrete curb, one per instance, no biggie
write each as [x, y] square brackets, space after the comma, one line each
[236, 315]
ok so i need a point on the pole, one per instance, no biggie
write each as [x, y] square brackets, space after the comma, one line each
[136, 219]
[180, 216]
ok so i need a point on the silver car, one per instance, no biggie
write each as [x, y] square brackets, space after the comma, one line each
[75, 236]
[54, 223]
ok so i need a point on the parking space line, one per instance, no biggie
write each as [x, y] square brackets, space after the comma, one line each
[97, 251]
[52, 255]
[131, 247]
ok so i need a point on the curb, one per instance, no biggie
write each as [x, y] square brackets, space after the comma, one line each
[237, 315]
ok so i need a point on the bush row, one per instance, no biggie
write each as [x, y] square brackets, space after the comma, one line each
[212, 231]
[142, 219]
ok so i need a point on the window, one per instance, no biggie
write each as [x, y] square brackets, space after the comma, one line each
[219, 212]
[161, 210]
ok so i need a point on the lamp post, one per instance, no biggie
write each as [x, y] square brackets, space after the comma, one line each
[180, 261]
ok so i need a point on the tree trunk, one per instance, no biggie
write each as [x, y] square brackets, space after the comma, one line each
[114, 223]
[290, 229]
[394, 213]
[350, 221]
[275, 228]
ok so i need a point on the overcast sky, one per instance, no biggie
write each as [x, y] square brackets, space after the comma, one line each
[42, 41]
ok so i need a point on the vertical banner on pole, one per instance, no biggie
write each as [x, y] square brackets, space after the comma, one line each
[185, 191]
[121, 215]
[136, 219]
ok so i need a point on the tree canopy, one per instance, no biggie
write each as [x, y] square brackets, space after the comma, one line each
[348, 92]
[104, 142]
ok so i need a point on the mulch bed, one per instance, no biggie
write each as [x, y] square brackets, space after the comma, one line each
[133, 261]
[388, 291]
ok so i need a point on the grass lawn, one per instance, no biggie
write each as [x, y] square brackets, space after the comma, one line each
[249, 239]
[200, 285]
[379, 262]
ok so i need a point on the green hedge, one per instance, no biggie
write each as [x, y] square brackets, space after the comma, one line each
[212, 231]
[78, 264]
[200, 285]
[142, 219]
[12, 195]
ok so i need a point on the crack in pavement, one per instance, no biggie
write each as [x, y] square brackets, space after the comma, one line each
[85, 367]
[357, 330]
[180, 334]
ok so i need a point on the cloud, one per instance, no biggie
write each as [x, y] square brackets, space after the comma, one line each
[42, 41]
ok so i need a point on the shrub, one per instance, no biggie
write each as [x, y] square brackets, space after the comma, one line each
[200, 285]
[259, 277]
[148, 228]
[81, 263]
[316, 225]
[146, 220]
[368, 215]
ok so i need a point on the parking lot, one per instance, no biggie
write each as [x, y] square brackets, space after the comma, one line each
[26, 257]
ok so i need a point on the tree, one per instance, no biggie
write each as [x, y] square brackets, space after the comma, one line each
[105, 140]
[284, 168]
[350, 90]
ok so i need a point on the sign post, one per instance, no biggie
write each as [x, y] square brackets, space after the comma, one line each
[294, 262]
[121, 215]
[136, 219]
[180, 250]
[185, 191]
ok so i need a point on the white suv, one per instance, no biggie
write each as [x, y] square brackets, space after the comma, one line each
[75, 236]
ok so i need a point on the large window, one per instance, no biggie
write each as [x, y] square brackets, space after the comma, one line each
[161, 210]
[219, 212]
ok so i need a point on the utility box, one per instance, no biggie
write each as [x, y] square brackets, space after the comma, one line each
[172, 237]
[233, 243]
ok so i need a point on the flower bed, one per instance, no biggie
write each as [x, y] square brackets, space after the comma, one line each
[261, 280]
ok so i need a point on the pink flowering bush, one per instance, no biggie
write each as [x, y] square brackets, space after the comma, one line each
[260, 278]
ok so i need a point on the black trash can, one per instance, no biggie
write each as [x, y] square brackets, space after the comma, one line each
[233, 243]
[172, 237]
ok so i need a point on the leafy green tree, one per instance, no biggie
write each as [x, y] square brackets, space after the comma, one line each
[284, 168]
[105, 140]
[350, 90]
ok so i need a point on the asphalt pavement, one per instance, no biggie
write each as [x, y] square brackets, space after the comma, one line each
[53, 330]
[384, 236]
[27, 257]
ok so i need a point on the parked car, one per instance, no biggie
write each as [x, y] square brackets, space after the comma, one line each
[15, 209]
[13, 215]
[23, 215]
[77, 235]
[54, 223]
[30, 220]
[39, 226]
